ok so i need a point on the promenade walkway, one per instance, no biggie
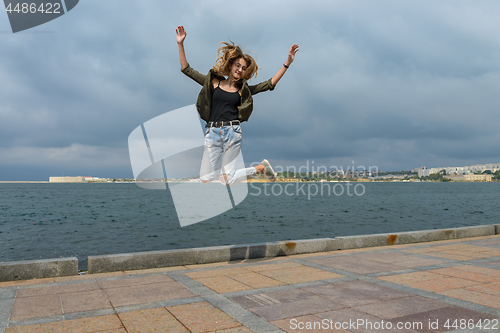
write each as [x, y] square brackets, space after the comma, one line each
[427, 287]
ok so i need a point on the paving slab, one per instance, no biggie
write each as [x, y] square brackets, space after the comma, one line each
[400, 307]
[202, 317]
[36, 306]
[374, 290]
[346, 297]
[146, 293]
[296, 308]
[159, 319]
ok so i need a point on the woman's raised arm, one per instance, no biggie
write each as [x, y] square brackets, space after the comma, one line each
[288, 62]
[181, 36]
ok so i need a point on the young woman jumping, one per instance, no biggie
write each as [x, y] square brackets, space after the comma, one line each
[224, 102]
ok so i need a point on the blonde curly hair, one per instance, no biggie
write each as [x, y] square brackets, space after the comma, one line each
[228, 54]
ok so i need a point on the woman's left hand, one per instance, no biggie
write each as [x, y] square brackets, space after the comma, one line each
[291, 53]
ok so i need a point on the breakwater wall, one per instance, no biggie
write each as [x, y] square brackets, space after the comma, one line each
[34, 269]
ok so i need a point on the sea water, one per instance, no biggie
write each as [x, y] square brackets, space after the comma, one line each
[42, 221]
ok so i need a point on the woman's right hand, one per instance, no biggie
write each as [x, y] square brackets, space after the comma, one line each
[181, 34]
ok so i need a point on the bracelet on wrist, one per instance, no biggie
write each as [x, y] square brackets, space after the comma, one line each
[286, 66]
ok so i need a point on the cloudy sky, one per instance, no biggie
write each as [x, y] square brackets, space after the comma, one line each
[392, 84]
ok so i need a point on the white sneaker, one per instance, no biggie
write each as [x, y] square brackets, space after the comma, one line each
[269, 172]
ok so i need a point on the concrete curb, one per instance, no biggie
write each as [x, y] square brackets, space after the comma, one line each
[206, 255]
[156, 259]
[37, 269]
[478, 231]
[357, 242]
[31, 269]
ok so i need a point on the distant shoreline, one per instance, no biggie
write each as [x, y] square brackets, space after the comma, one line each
[23, 181]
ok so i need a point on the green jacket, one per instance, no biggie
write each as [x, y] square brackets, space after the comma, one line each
[204, 101]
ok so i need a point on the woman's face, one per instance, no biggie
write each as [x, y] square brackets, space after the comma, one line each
[238, 68]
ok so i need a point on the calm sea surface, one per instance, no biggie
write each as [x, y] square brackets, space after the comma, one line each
[39, 221]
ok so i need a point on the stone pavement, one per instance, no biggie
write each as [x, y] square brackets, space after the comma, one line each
[427, 287]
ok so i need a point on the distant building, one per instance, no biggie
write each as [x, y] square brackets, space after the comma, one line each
[477, 178]
[66, 179]
[465, 170]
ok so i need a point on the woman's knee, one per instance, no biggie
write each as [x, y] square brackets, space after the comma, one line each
[227, 180]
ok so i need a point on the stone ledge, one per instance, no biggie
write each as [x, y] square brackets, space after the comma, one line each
[476, 231]
[205, 255]
[410, 237]
[309, 246]
[38, 269]
[168, 258]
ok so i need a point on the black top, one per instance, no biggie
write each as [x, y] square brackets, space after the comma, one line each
[224, 105]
